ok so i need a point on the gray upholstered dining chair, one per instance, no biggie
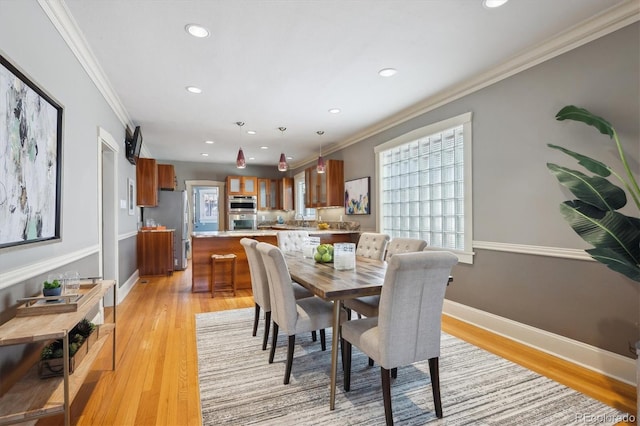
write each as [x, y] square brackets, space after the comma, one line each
[408, 326]
[292, 240]
[372, 245]
[291, 315]
[368, 306]
[260, 287]
[404, 245]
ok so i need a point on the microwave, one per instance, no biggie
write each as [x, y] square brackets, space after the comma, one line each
[243, 221]
[242, 203]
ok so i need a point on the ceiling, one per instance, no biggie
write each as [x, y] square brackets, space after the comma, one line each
[273, 63]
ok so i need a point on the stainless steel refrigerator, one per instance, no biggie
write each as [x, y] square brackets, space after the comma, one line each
[173, 212]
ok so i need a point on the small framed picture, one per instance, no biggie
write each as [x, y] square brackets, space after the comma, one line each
[356, 196]
[131, 196]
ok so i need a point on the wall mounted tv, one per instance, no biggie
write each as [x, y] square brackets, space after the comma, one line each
[134, 145]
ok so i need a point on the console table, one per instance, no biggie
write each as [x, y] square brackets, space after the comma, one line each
[32, 397]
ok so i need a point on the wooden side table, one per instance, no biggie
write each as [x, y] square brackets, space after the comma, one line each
[229, 285]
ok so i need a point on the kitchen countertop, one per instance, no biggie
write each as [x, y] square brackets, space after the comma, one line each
[269, 232]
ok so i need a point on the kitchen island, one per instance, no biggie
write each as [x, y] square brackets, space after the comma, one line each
[204, 244]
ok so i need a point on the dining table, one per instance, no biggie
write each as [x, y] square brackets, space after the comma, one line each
[335, 285]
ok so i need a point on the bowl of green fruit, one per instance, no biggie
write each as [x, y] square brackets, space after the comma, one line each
[324, 253]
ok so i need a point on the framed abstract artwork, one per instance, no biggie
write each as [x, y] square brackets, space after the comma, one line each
[356, 196]
[30, 160]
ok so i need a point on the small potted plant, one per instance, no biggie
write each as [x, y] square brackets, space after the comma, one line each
[52, 287]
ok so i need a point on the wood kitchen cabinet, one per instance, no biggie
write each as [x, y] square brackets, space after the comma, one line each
[167, 177]
[155, 252]
[325, 189]
[146, 182]
[242, 185]
[275, 194]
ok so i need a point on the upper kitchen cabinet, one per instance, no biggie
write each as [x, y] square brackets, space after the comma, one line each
[146, 182]
[167, 177]
[242, 185]
[286, 194]
[275, 194]
[264, 194]
[325, 189]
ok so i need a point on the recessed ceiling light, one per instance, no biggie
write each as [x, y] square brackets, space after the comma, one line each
[334, 110]
[209, 142]
[251, 132]
[193, 89]
[264, 147]
[204, 154]
[490, 4]
[197, 30]
[252, 158]
[387, 72]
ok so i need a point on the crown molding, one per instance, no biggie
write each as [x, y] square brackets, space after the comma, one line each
[60, 16]
[591, 29]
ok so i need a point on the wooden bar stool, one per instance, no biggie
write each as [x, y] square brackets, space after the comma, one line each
[230, 285]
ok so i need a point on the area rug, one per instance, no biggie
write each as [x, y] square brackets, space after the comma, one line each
[239, 387]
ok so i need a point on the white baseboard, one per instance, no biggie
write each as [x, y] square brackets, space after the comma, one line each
[125, 288]
[608, 363]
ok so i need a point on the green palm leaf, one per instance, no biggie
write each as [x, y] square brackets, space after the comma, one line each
[597, 191]
[605, 230]
[572, 112]
[616, 263]
[590, 164]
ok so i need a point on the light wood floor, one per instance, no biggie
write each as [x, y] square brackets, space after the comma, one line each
[156, 377]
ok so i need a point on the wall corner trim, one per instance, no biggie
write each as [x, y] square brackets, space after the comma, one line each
[608, 363]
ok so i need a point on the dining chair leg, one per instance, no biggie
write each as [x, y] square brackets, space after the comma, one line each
[291, 346]
[256, 317]
[272, 353]
[370, 362]
[314, 336]
[346, 361]
[434, 371]
[323, 340]
[267, 324]
[386, 395]
[394, 373]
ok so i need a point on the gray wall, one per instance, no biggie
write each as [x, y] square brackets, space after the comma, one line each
[30, 41]
[218, 172]
[516, 199]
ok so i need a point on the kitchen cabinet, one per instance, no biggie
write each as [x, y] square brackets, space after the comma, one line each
[242, 185]
[264, 194]
[31, 397]
[275, 194]
[286, 194]
[325, 189]
[167, 177]
[155, 252]
[146, 182]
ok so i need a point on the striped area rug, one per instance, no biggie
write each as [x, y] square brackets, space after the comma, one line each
[239, 387]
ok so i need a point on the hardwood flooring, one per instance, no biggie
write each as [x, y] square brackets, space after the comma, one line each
[156, 377]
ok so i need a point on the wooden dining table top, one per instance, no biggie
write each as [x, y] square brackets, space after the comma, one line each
[323, 280]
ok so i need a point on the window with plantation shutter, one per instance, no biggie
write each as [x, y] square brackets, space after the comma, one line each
[424, 185]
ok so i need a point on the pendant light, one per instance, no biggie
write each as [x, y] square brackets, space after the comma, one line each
[320, 168]
[282, 164]
[240, 161]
